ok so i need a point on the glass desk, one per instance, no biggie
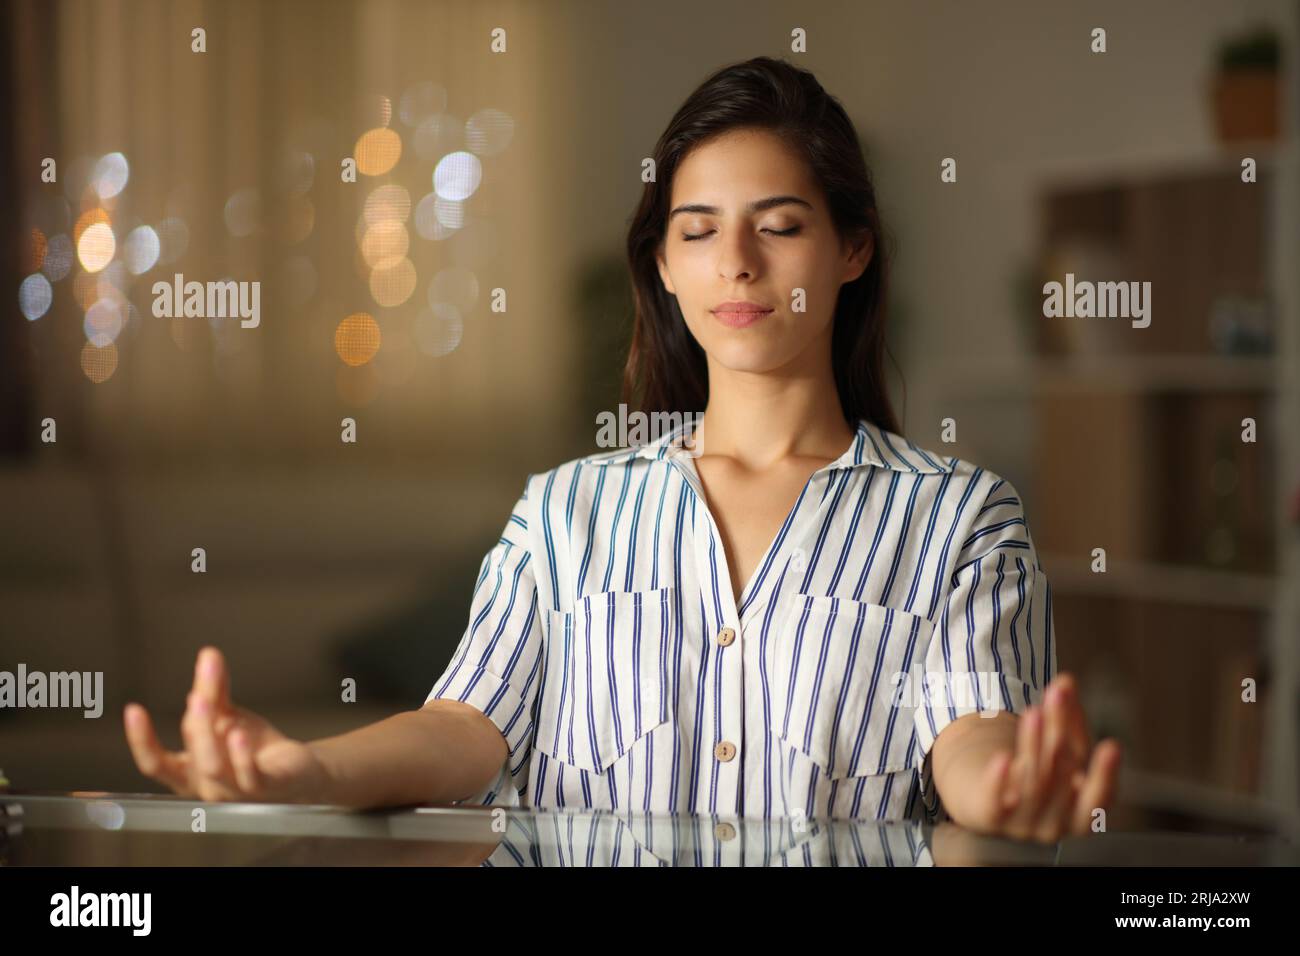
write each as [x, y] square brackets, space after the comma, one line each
[95, 828]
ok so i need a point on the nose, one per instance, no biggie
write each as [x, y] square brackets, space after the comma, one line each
[738, 256]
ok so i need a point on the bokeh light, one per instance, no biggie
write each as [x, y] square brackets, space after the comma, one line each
[489, 131]
[450, 212]
[96, 215]
[388, 203]
[427, 222]
[456, 286]
[393, 283]
[112, 281]
[457, 175]
[110, 175]
[107, 814]
[58, 258]
[98, 364]
[141, 250]
[35, 296]
[85, 289]
[372, 109]
[356, 340]
[377, 151]
[96, 247]
[243, 212]
[384, 242]
[103, 322]
[420, 102]
[438, 135]
[360, 266]
[35, 246]
[438, 330]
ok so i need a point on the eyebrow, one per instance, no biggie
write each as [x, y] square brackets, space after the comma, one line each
[758, 205]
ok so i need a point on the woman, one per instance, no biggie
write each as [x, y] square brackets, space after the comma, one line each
[793, 611]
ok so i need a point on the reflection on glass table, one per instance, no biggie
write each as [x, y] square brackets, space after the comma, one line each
[96, 828]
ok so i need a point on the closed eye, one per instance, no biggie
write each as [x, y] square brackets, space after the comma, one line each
[793, 230]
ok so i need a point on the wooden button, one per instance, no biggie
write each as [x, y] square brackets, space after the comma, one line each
[725, 750]
[726, 636]
[725, 831]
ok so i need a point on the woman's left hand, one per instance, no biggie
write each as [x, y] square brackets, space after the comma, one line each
[1055, 780]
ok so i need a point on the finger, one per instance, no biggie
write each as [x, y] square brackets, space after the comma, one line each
[1052, 742]
[223, 722]
[201, 739]
[1080, 740]
[210, 679]
[1057, 766]
[150, 757]
[1098, 789]
[1058, 809]
[247, 775]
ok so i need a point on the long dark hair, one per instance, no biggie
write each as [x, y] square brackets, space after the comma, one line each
[666, 369]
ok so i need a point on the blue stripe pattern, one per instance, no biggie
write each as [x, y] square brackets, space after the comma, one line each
[901, 592]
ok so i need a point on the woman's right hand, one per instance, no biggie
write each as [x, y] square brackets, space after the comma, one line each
[230, 753]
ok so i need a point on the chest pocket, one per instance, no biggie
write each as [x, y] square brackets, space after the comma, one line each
[843, 684]
[605, 685]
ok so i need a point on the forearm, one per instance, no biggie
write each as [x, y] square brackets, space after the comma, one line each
[960, 755]
[443, 752]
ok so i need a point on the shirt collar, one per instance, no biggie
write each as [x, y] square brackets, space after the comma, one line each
[871, 446]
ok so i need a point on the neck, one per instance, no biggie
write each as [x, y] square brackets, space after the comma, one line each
[759, 419]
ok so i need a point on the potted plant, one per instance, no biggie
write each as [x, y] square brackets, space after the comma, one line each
[1247, 86]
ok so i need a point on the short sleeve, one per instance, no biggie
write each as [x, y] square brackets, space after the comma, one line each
[495, 666]
[994, 645]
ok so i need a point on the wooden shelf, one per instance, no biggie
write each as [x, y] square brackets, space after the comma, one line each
[1161, 164]
[1150, 581]
[1134, 202]
[1172, 373]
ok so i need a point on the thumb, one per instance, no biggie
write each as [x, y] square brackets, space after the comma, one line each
[257, 729]
[255, 753]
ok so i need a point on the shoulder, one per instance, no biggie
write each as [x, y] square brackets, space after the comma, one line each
[597, 467]
[892, 451]
[576, 482]
[985, 505]
[991, 516]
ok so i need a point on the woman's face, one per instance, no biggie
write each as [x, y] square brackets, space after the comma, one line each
[727, 243]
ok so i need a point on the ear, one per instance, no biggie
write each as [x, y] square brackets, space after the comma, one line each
[663, 271]
[860, 253]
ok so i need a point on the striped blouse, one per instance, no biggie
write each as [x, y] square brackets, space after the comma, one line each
[604, 641]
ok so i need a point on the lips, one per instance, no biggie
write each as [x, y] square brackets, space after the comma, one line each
[740, 314]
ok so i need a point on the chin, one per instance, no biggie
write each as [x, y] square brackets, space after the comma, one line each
[753, 355]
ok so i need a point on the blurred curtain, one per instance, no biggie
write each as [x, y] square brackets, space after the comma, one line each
[215, 142]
